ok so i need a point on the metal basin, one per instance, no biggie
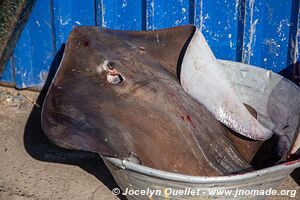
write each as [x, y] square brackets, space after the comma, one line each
[277, 102]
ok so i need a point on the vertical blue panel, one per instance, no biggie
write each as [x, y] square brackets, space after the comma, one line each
[164, 14]
[123, 14]
[8, 74]
[70, 13]
[218, 20]
[266, 34]
[33, 54]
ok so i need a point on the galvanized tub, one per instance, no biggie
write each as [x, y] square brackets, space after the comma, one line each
[277, 102]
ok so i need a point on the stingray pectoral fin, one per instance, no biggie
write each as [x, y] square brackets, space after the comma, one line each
[204, 80]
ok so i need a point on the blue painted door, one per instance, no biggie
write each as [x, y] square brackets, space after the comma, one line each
[263, 33]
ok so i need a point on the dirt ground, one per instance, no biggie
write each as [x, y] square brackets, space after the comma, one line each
[32, 168]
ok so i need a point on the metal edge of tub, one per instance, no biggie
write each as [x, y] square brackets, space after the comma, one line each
[123, 164]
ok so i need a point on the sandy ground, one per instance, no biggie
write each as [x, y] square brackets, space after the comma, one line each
[32, 168]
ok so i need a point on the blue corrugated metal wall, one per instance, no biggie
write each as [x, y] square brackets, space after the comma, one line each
[263, 33]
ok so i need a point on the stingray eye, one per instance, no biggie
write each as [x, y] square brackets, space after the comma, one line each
[114, 78]
[111, 65]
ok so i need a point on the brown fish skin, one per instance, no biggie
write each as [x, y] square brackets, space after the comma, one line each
[167, 46]
[147, 114]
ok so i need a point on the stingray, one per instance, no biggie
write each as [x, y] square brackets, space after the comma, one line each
[117, 94]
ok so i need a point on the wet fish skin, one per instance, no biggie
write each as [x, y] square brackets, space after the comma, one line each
[147, 114]
[168, 46]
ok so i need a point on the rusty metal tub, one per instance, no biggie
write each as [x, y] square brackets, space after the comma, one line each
[277, 102]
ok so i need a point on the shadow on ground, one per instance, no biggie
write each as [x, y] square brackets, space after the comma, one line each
[40, 148]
